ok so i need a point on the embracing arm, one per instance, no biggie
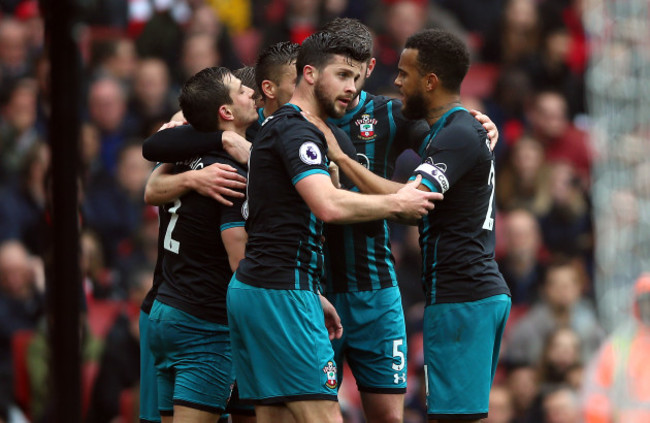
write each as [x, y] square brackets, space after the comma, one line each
[216, 181]
[340, 206]
[171, 144]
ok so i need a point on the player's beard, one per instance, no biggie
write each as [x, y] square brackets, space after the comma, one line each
[415, 106]
[325, 103]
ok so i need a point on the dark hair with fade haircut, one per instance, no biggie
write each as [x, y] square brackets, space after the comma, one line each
[247, 77]
[201, 97]
[317, 50]
[271, 59]
[442, 53]
[353, 28]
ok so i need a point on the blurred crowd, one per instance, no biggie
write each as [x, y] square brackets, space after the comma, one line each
[529, 59]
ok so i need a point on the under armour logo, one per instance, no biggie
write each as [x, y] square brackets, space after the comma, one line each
[399, 378]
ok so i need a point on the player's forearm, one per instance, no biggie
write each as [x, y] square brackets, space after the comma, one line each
[350, 207]
[165, 188]
[365, 180]
[180, 143]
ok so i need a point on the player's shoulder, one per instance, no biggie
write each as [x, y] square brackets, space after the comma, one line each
[462, 125]
[220, 156]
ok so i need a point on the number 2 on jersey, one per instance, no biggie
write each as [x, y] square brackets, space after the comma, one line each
[170, 243]
[489, 220]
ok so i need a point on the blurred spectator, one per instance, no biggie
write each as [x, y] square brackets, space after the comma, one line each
[524, 387]
[113, 208]
[566, 225]
[14, 51]
[560, 357]
[477, 16]
[292, 20]
[501, 407]
[22, 210]
[548, 69]
[237, 15]
[17, 127]
[38, 367]
[549, 123]
[119, 369]
[561, 405]
[107, 107]
[112, 13]
[199, 52]
[97, 278]
[617, 380]
[524, 180]
[402, 18]
[158, 31]
[521, 266]
[561, 306]
[152, 103]
[516, 36]
[21, 306]
[205, 21]
[511, 93]
[114, 57]
[28, 12]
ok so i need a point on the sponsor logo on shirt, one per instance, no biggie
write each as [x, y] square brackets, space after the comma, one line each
[310, 153]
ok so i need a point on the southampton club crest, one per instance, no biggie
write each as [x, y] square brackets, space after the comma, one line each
[330, 371]
[366, 127]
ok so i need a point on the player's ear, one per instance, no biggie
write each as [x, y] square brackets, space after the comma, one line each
[432, 81]
[310, 74]
[225, 113]
[268, 88]
[371, 66]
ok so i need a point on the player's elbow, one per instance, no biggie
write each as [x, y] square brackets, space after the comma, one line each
[151, 198]
[329, 213]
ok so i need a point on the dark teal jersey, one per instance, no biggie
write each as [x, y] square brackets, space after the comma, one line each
[284, 249]
[195, 266]
[358, 256]
[457, 237]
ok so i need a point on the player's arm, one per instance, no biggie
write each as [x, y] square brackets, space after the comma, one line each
[340, 206]
[234, 239]
[364, 179]
[173, 143]
[216, 181]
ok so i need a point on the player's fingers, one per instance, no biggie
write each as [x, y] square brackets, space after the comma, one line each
[416, 182]
[231, 183]
[230, 193]
[221, 199]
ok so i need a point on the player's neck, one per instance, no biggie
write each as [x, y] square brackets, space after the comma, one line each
[306, 100]
[231, 126]
[441, 106]
[269, 108]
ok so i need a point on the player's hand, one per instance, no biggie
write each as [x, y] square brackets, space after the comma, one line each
[490, 127]
[332, 319]
[415, 203]
[218, 180]
[237, 146]
[334, 151]
[334, 174]
[171, 124]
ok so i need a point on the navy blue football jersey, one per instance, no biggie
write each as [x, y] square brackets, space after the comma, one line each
[284, 249]
[457, 237]
[195, 266]
[358, 256]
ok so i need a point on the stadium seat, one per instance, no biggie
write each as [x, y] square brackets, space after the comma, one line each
[19, 344]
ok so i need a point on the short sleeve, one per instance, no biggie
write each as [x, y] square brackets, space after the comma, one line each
[303, 150]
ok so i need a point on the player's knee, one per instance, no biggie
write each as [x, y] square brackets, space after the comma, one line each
[385, 416]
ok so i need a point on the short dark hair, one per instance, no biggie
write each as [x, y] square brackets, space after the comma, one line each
[353, 29]
[317, 50]
[201, 97]
[271, 59]
[247, 77]
[442, 53]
